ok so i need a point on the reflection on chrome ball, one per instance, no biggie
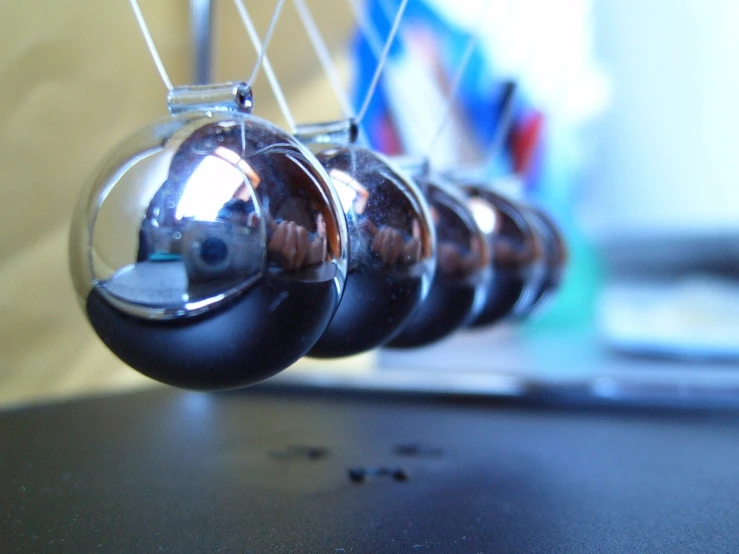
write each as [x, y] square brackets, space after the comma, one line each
[391, 249]
[210, 250]
[463, 270]
[517, 253]
[555, 256]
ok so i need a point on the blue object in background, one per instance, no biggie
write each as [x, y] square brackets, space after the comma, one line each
[543, 157]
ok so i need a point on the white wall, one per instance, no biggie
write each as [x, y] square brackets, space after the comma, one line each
[667, 154]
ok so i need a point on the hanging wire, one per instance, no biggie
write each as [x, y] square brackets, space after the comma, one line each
[505, 119]
[457, 80]
[262, 50]
[329, 67]
[367, 29]
[381, 62]
[274, 83]
[324, 56]
[372, 36]
[150, 44]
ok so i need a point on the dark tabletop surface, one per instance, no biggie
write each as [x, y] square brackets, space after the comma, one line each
[288, 470]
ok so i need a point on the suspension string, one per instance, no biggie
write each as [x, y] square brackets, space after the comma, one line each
[261, 48]
[387, 10]
[505, 119]
[324, 56]
[150, 44]
[367, 28]
[369, 32]
[262, 51]
[268, 70]
[457, 80]
[381, 62]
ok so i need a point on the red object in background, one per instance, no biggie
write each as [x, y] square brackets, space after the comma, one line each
[525, 137]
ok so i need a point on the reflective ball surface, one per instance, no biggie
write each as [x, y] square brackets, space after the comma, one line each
[555, 256]
[463, 269]
[210, 250]
[391, 249]
[517, 253]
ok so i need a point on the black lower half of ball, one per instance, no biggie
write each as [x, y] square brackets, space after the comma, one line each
[445, 309]
[375, 305]
[255, 336]
[505, 289]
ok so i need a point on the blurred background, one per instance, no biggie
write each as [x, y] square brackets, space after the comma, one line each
[622, 129]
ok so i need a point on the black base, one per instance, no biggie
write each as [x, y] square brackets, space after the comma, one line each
[262, 471]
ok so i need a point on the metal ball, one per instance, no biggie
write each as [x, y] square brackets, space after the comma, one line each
[555, 257]
[463, 269]
[210, 250]
[517, 253]
[391, 249]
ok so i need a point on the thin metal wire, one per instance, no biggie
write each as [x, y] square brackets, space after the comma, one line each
[457, 80]
[381, 62]
[324, 56]
[150, 44]
[262, 52]
[261, 49]
[372, 36]
[505, 120]
[370, 33]
[368, 30]
[274, 83]
[387, 10]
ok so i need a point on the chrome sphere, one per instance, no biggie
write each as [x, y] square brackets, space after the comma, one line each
[517, 253]
[391, 249]
[210, 250]
[555, 257]
[463, 269]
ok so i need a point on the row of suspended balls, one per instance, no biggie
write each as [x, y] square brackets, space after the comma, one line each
[213, 249]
